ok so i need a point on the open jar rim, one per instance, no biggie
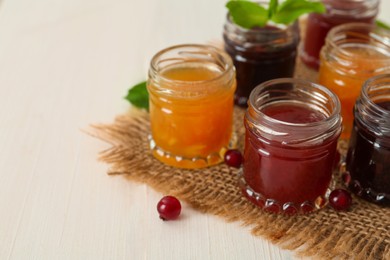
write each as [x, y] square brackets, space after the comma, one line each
[371, 83]
[278, 28]
[369, 113]
[271, 34]
[199, 51]
[302, 93]
[333, 98]
[379, 37]
[361, 8]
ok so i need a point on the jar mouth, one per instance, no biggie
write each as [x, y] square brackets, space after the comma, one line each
[319, 111]
[358, 8]
[276, 29]
[320, 97]
[376, 90]
[187, 53]
[272, 34]
[359, 40]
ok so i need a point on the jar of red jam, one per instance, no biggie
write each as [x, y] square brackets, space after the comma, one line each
[337, 12]
[368, 158]
[292, 127]
[260, 54]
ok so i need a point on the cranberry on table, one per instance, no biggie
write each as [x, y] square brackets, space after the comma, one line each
[169, 208]
[233, 158]
[340, 199]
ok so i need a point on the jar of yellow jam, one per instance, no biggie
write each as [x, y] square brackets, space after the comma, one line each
[191, 90]
[352, 54]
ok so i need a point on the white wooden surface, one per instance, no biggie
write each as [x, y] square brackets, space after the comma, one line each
[63, 65]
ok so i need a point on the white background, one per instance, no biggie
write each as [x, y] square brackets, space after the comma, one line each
[63, 65]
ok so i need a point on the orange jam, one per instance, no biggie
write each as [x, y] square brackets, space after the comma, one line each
[353, 54]
[191, 107]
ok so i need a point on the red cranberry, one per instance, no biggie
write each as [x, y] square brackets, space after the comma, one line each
[169, 208]
[233, 158]
[340, 199]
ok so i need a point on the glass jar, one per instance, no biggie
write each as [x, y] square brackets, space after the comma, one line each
[368, 157]
[353, 53]
[337, 12]
[292, 127]
[191, 89]
[260, 54]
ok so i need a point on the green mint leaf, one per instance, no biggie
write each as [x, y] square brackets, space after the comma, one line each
[273, 6]
[138, 96]
[382, 24]
[290, 10]
[247, 14]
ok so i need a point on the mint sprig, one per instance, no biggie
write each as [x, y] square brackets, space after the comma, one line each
[138, 96]
[273, 6]
[291, 10]
[382, 24]
[249, 14]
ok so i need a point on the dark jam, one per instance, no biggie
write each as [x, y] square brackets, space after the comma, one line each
[318, 26]
[292, 178]
[368, 162]
[256, 63]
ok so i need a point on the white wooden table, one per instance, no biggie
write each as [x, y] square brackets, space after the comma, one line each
[63, 65]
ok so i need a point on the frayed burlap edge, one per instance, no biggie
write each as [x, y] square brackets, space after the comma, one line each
[362, 233]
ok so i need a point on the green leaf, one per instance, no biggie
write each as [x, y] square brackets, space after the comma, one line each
[273, 6]
[138, 96]
[290, 10]
[247, 14]
[382, 24]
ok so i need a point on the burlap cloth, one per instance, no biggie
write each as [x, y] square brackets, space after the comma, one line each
[361, 233]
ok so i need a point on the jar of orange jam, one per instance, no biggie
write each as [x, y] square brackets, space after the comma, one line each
[353, 53]
[191, 90]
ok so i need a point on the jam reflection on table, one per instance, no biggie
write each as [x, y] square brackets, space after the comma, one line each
[191, 106]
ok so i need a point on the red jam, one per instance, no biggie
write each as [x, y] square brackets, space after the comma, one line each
[290, 147]
[294, 114]
[288, 174]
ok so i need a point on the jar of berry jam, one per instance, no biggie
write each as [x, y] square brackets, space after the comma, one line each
[260, 54]
[337, 12]
[292, 127]
[368, 158]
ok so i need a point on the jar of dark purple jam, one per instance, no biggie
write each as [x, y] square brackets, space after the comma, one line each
[337, 12]
[260, 54]
[368, 158]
